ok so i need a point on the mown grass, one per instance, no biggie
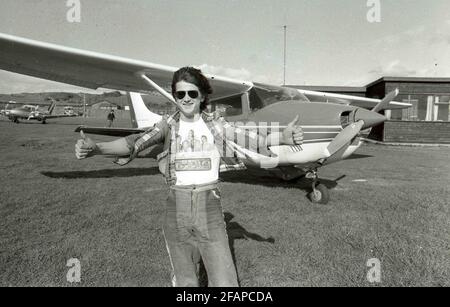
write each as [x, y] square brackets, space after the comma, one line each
[54, 208]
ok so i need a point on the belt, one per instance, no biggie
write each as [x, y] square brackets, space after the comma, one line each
[195, 187]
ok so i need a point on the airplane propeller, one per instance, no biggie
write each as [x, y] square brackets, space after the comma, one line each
[363, 119]
[344, 137]
[383, 104]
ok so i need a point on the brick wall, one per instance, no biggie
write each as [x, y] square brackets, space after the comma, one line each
[417, 132]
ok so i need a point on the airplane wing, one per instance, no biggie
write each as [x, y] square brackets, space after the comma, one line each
[120, 132]
[362, 102]
[95, 70]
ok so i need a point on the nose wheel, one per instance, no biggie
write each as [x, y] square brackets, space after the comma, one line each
[320, 193]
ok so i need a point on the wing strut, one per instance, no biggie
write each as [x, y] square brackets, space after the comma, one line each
[157, 87]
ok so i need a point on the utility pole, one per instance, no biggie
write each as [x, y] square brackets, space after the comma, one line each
[284, 58]
[84, 105]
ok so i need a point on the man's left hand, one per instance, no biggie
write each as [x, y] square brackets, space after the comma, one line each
[293, 133]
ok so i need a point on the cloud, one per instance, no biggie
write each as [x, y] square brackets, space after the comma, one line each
[398, 69]
[441, 35]
[421, 51]
[394, 69]
[415, 31]
[416, 37]
[404, 37]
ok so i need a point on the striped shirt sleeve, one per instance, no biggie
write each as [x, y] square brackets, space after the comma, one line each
[142, 141]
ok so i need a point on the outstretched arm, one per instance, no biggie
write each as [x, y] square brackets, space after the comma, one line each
[86, 147]
[129, 146]
[291, 135]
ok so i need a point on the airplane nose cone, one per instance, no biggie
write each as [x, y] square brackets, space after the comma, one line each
[370, 118]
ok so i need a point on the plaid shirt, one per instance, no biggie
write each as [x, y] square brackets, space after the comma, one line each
[166, 132]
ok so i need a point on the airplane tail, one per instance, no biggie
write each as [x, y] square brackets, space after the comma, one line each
[141, 116]
[52, 106]
[5, 110]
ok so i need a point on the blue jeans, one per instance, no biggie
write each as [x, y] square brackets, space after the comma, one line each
[194, 229]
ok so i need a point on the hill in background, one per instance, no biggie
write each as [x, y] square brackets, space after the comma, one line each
[154, 101]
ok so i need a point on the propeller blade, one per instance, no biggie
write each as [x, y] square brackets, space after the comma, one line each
[383, 104]
[344, 137]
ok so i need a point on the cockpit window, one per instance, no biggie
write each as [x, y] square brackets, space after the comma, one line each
[263, 96]
[231, 106]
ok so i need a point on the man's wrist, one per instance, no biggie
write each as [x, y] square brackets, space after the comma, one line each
[96, 150]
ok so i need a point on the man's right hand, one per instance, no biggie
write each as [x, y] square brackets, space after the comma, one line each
[85, 147]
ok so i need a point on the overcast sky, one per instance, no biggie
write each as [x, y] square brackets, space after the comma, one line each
[329, 42]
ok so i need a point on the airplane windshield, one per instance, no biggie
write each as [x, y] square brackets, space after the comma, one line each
[263, 96]
[260, 96]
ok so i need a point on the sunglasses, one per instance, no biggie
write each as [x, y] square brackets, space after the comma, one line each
[192, 94]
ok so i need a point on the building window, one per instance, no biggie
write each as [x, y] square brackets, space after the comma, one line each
[444, 108]
[411, 113]
[437, 108]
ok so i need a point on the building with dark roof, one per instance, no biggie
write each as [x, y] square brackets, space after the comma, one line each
[430, 97]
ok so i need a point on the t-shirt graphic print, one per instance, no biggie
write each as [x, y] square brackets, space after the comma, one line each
[197, 159]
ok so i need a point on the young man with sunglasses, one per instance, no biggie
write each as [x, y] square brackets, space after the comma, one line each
[196, 148]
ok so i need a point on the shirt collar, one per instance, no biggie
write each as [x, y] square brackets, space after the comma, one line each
[207, 117]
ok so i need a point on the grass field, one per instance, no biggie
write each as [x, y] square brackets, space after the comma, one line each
[390, 203]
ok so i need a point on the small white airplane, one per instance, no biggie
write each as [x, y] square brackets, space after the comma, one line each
[331, 130]
[32, 112]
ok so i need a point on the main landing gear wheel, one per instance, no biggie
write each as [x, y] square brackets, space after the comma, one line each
[320, 193]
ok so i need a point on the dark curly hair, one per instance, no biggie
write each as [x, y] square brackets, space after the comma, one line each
[194, 76]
